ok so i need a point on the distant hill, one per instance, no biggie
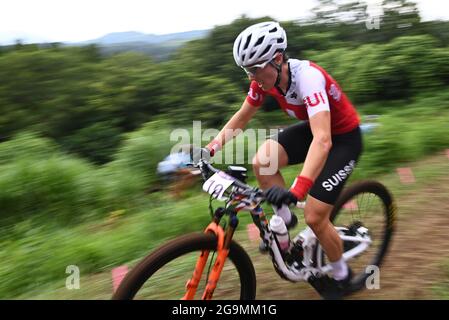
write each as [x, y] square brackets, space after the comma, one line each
[158, 46]
[133, 37]
[158, 51]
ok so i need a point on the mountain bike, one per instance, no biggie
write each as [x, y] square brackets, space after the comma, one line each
[212, 265]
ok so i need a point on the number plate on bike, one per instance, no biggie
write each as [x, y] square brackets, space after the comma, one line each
[217, 184]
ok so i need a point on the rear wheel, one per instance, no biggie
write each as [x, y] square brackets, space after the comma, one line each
[366, 204]
[164, 273]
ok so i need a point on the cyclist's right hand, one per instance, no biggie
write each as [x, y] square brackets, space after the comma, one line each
[278, 196]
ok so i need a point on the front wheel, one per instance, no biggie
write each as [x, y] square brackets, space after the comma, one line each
[366, 204]
[164, 273]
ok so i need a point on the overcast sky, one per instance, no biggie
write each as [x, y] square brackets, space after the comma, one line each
[79, 20]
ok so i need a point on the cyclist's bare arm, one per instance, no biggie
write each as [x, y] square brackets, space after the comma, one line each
[238, 121]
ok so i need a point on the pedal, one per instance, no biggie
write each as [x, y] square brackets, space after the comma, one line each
[317, 283]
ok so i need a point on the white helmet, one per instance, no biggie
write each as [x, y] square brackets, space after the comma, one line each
[259, 43]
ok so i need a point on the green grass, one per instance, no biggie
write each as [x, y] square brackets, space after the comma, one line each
[97, 248]
[58, 210]
[46, 250]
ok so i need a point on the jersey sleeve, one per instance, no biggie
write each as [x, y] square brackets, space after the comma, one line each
[255, 95]
[312, 88]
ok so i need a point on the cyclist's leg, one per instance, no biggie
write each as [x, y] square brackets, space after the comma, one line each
[288, 147]
[270, 157]
[317, 215]
[339, 165]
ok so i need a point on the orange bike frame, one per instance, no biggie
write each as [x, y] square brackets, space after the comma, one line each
[222, 254]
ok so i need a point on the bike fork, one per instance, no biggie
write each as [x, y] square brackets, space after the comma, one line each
[223, 245]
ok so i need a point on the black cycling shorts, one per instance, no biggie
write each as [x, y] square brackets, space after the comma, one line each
[342, 158]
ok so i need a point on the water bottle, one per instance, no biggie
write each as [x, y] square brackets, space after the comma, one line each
[278, 227]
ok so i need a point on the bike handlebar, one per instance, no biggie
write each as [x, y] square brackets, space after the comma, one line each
[205, 167]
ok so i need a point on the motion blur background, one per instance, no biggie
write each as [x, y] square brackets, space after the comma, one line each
[84, 123]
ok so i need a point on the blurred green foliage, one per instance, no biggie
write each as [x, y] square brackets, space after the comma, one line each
[86, 101]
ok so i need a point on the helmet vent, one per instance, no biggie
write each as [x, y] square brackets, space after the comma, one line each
[259, 41]
[247, 42]
[267, 49]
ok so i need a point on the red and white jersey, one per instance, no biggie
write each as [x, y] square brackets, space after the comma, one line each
[311, 90]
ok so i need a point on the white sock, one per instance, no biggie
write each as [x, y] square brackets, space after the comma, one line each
[283, 212]
[339, 269]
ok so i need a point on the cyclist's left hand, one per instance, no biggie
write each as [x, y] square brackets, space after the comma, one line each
[279, 196]
[200, 153]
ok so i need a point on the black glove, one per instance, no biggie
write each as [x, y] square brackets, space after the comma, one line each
[279, 196]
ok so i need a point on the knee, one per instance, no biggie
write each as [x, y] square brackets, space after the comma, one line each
[315, 220]
[257, 164]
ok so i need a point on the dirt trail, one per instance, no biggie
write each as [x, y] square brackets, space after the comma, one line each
[420, 247]
[414, 263]
[417, 260]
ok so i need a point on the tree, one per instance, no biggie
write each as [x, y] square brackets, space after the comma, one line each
[400, 17]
